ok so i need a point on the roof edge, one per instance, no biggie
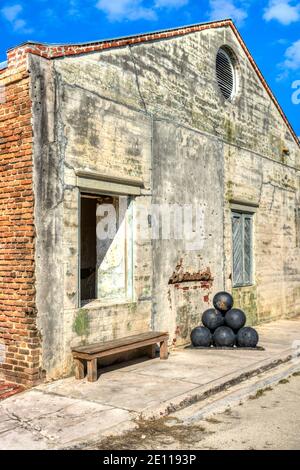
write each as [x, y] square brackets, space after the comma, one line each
[131, 36]
[265, 83]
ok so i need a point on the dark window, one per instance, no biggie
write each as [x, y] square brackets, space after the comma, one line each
[88, 248]
[242, 249]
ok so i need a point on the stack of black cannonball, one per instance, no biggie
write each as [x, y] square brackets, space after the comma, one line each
[224, 326]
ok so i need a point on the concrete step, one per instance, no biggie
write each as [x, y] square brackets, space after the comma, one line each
[226, 382]
[237, 394]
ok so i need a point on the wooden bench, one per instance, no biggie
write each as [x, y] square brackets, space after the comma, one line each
[91, 353]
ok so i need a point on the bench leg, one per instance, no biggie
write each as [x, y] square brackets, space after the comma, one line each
[152, 351]
[79, 369]
[164, 349]
[92, 370]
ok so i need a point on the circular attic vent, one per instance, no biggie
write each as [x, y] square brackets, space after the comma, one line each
[226, 72]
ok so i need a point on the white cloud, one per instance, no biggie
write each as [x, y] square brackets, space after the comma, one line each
[284, 11]
[74, 8]
[292, 57]
[235, 9]
[12, 15]
[170, 3]
[120, 10]
[291, 61]
[19, 24]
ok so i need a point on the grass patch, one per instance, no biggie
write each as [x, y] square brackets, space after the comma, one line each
[296, 374]
[260, 393]
[153, 434]
[283, 381]
[213, 421]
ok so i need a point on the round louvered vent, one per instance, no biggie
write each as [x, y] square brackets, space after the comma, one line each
[226, 72]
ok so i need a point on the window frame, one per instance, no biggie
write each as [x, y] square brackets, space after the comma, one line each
[243, 215]
[129, 254]
[229, 55]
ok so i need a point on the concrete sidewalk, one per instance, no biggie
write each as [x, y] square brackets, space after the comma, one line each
[68, 412]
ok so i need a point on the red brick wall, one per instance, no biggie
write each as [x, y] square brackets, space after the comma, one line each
[20, 360]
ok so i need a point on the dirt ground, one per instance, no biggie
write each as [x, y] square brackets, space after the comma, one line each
[268, 420]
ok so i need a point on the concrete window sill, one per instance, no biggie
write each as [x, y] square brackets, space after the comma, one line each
[97, 303]
[245, 286]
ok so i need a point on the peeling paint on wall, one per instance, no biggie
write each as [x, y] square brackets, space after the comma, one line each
[178, 276]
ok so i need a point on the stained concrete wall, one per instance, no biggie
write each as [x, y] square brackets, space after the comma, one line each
[48, 179]
[274, 188]
[187, 170]
[64, 118]
[153, 113]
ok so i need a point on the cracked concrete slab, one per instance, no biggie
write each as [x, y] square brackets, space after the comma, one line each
[128, 390]
[21, 438]
[56, 420]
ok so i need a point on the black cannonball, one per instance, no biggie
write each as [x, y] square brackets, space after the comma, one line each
[247, 337]
[224, 337]
[223, 301]
[201, 336]
[235, 319]
[212, 319]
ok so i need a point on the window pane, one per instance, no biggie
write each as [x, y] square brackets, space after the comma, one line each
[247, 249]
[237, 233]
[111, 243]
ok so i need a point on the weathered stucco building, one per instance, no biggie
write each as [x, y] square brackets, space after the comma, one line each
[174, 119]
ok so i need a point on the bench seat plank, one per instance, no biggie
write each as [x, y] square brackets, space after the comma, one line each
[96, 351]
[118, 343]
[119, 349]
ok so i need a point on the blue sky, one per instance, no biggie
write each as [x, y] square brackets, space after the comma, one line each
[271, 29]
